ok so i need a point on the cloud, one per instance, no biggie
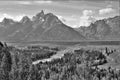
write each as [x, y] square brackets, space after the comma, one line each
[87, 12]
[42, 2]
[75, 22]
[32, 2]
[61, 18]
[87, 18]
[24, 2]
[19, 17]
[16, 18]
[3, 15]
[69, 20]
[106, 11]
[6, 15]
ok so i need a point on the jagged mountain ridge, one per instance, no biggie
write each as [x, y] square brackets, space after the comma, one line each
[41, 27]
[49, 27]
[105, 29]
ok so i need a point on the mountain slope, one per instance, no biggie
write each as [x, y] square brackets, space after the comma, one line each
[20, 33]
[41, 27]
[61, 32]
[51, 28]
[106, 29]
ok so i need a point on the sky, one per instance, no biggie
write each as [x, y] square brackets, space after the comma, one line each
[74, 13]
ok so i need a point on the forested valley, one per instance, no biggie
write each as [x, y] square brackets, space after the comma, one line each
[82, 64]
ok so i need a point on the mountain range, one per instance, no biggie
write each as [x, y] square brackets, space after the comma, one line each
[48, 27]
[105, 29]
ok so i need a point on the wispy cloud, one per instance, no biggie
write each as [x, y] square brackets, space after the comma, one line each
[42, 2]
[106, 11]
[33, 2]
[24, 2]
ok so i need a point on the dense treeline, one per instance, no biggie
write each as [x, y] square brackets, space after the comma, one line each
[16, 64]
